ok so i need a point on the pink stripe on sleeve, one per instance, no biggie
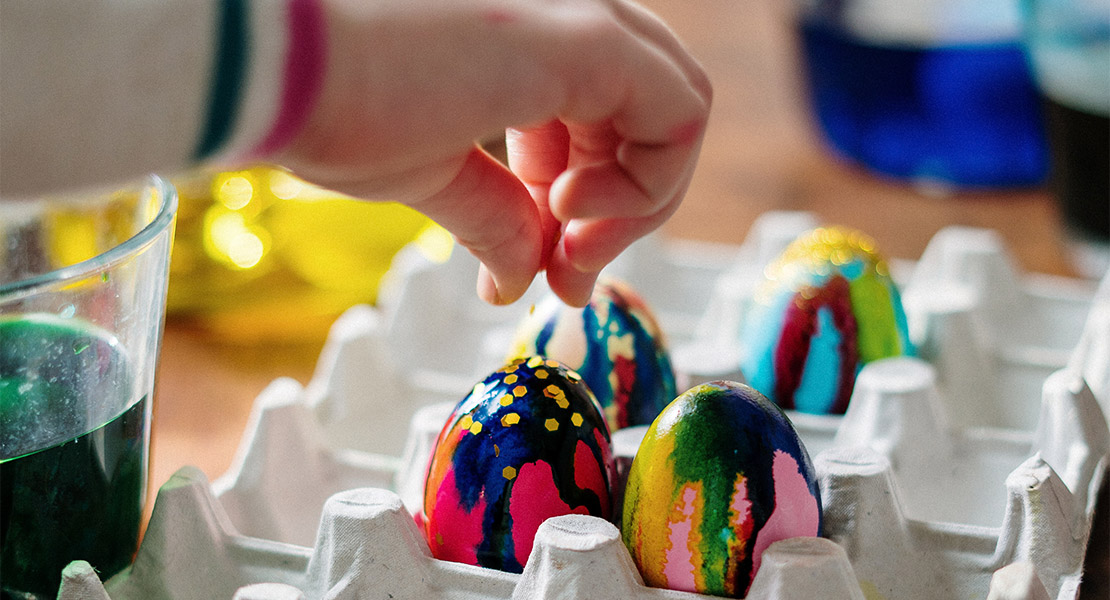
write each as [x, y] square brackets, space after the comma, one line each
[305, 61]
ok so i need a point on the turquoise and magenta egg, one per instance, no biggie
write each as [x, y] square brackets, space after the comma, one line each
[827, 307]
[720, 475]
[614, 343]
[528, 443]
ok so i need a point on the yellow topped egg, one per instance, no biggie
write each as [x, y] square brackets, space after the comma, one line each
[827, 307]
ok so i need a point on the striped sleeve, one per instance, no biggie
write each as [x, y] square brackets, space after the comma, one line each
[101, 91]
[267, 71]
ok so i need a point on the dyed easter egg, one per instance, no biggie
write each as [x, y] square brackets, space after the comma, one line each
[528, 443]
[720, 475]
[827, 307]
[614, 343]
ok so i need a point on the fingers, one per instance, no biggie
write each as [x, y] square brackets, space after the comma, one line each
[587, 246]
[537, 155]
[637, 180]
[652, 27]
[590, 245]
[632, 150]
[639, 155]
[491, 214]
[613, 109]
[571, 285]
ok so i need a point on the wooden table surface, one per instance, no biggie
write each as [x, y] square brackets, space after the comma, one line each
[760, 154]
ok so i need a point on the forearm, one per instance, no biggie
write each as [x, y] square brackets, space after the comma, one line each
[95, 92]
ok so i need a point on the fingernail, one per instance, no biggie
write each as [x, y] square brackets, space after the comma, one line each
[583, 292]
[487, 287]
[581, 300]
[584, 267]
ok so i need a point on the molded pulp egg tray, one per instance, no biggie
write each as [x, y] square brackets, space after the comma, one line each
[971, 471]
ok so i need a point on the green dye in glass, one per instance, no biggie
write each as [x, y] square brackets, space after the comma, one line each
[72, 479]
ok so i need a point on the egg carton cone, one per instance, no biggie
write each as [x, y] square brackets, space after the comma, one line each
[368, 546]
[991, 331]
[1091, 356]
[925, 510]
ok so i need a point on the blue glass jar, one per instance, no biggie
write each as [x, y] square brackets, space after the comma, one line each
[933, 91]
[1069, 47]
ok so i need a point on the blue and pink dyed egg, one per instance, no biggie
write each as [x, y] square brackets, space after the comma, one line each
[528, 443]
[827, 307]
[719, 476]
[614, 343]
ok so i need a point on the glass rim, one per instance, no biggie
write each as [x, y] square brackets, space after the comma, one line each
[132, 245]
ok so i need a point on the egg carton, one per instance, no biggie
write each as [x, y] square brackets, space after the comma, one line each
[386, 366]
[886, 535]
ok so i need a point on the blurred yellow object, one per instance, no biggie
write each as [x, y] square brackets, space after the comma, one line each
[261, 256]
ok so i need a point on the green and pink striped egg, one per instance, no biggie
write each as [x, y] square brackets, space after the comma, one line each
[719, 476]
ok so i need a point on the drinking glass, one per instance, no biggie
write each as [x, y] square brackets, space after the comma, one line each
[82, 302]
[1068, 42]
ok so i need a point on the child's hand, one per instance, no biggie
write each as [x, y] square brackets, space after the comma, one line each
[604, 109]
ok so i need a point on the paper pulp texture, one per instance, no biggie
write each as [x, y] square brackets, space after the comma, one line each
[971, 471]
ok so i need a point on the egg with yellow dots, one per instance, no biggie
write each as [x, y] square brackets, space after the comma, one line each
[826, 307]
[526, 444]
[615, 343]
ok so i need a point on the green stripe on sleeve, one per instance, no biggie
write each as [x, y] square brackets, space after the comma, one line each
[229, 68]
